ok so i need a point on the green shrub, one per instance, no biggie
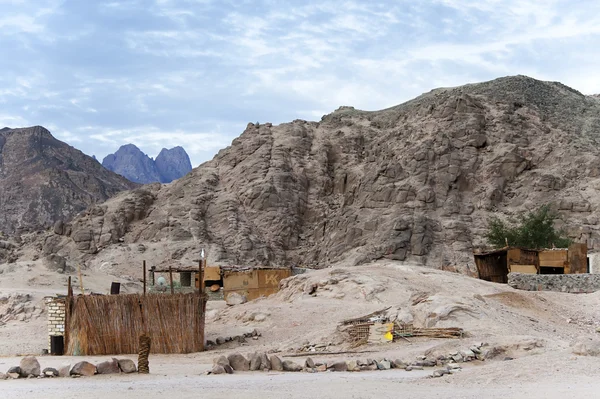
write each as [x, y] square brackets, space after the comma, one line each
[533, 230]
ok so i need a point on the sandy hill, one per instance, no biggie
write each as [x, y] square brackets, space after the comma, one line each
[415, 182]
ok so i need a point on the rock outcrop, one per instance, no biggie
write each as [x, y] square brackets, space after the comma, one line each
[416, 182]
[131, 163]
[172, 164]
[43, 181]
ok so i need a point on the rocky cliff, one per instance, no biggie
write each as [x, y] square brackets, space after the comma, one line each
[172, 164]
[138, 167]
[43, 180]
[414, 182]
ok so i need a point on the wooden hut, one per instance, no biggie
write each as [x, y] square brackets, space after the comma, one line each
[495, 265]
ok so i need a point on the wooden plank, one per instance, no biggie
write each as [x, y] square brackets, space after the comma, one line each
[270, 278]
[528, 269]
[212, 273]
[240, 280]
[578, 258]
[553, 263]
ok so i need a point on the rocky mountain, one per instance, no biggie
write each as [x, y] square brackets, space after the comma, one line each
[415, 182]
[43, 180]
[138, 167]
[172, 164]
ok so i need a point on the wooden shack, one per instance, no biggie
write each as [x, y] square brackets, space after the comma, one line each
[495, 265]
[253, 283]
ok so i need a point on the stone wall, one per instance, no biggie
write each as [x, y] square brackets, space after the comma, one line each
[56, 317]
[573, 283]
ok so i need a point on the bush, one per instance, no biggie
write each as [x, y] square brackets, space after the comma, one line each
[534, 230]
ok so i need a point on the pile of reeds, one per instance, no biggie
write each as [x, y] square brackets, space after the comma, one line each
[112, 324]
[449, 332]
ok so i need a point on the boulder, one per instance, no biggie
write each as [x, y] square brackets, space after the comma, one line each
[235, 299]
[221, 361]
[276, 363]
[85, 369]
[14, 369]
[265, 363]
[368, 367]
[30, 366]
[321, 368]
[218, 369]
[238, 362]
[398, 364]
[228, 369]
[440, 372]
[13, 376]
[352, 365]
[338, 366]
[3, 376]
[50, 372]
[383, 365]
[127, 366]
[64, 370]
[309, 363]
[108, 367]
[289, 365]
[255, 362]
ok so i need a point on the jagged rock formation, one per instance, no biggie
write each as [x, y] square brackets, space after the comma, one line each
[44, 181]
[138, 167]
[414, 182]
[172, 164]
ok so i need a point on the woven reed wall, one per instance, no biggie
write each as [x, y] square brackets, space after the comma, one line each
[112, 324]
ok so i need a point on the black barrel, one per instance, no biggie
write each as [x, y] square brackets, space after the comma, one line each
[115, 288]
[57, 345]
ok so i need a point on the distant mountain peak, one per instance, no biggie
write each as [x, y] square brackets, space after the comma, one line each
[130, 162]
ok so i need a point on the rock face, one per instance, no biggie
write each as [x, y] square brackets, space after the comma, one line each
[172, 164]
[43, 180]
[138, 167]
[414, 182]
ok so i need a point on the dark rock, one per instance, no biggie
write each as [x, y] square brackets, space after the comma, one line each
[84, 368]
[238, 362]
[30, 366]
[108, 367]
[228, 369]
[127, 366]
[14, 370]
[50, 372]
[398, 364]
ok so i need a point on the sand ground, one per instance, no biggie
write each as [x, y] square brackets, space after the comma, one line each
[537, 330]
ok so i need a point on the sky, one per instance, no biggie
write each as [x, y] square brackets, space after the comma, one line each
[160, 73]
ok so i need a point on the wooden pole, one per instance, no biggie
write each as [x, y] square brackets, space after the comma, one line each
[144, 277]
[80, 279]
[69, 288]
[171, 279]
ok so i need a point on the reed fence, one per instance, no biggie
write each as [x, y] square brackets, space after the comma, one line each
[112, 324]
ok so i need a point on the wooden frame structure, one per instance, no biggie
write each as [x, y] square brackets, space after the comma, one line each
[112, 324]
[495, 265]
